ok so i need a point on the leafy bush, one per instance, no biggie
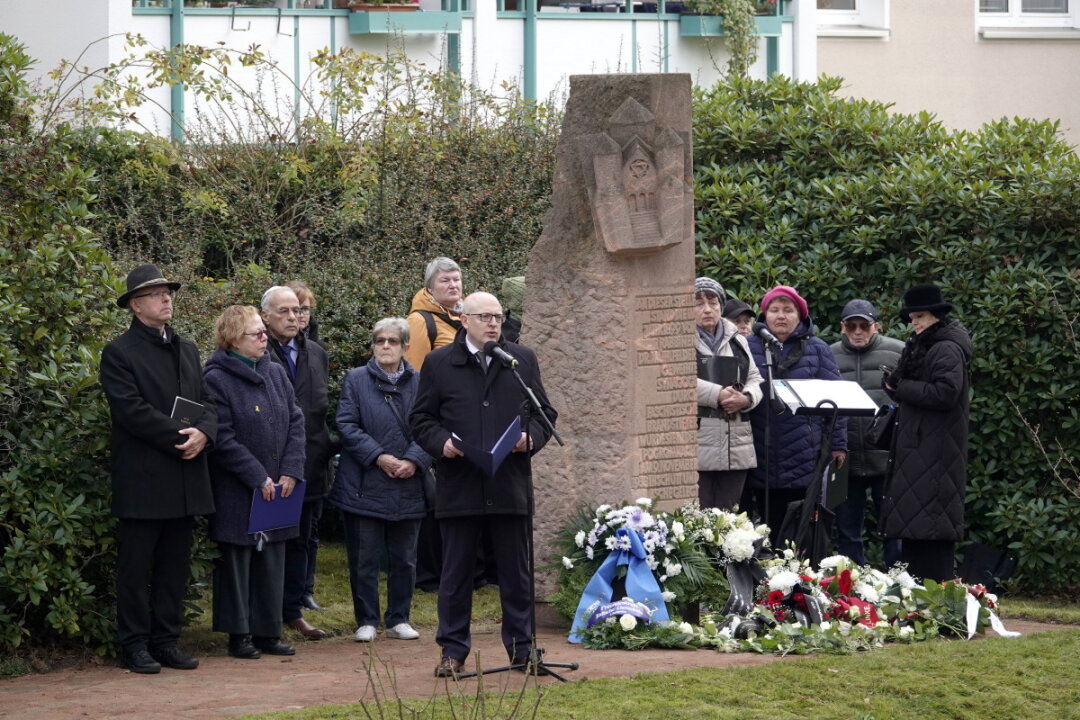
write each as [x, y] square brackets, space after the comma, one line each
[56, 294]
[843, 199]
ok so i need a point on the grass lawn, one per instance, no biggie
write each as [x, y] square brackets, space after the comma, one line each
[986, 679]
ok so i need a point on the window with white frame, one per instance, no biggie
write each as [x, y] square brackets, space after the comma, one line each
[859, 18]
[1028, 13]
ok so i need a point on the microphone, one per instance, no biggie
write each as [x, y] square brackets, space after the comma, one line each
[492, 349]
[762, 331]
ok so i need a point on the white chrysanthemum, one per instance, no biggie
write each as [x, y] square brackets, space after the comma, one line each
[667, 595]
[685, 627]
[867, 592]
[651, 562]
[644, 502]
[739, 544]
[783, 581]
[609, 542]
[628, 622]
[672, 568]
[833, 561]
[579, 539]
[603, 510]
[638, 519]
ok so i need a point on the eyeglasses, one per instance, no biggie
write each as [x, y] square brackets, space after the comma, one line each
[158, 295]
[852, 326]
[286, 312]
[304, 310]
[386, 341]
[487, 317]
[257, 334]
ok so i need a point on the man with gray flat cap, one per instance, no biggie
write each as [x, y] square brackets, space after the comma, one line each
[861, 352]
[163, 424]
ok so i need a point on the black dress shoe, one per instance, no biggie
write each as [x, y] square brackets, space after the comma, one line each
[273, 646]
[240, 647]
[140, 661]
[172, 657]
[308, 601]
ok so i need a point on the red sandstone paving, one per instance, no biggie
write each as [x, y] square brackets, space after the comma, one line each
[332, 671]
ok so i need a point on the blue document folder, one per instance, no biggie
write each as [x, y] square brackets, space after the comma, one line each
[490, 460]
[281, 512]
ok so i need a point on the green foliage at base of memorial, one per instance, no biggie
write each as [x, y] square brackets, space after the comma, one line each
[842, 198]
[57, 289]
[389, 165]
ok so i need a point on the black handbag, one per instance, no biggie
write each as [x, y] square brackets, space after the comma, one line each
[880, 432]
[428, 478]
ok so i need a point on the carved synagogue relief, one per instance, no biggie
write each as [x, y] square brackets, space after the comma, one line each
[634, 174]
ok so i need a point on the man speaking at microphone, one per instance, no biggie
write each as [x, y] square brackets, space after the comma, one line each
[473, 394]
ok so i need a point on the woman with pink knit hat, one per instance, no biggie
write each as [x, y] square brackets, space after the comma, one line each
[796, 440]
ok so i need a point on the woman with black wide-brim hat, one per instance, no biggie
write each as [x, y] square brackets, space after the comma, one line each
[924, 496]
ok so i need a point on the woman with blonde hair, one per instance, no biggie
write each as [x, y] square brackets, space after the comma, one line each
[260, 445]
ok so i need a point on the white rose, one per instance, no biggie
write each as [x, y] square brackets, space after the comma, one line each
[907, 631]
[832, 561]
[708, 534]
[579, 539]
[825, 625]
[686, 627]
[568, 563]
[667, 596]
[628, 622]
[644, 502]
[678, 530]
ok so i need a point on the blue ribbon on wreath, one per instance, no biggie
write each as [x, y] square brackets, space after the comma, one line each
[641, 585]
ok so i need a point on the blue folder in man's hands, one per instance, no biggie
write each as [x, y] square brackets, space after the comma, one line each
[490, 460]
[281, 512]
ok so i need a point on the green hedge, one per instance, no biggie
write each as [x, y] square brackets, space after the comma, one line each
[56, 294]
[842, 198]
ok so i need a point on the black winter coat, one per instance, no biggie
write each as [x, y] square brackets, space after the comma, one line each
[796, 439]
[862, 365]
[924, 497]
[260, 435]
[310, 383]
[369, 428]
[141, 376]
[457, 396]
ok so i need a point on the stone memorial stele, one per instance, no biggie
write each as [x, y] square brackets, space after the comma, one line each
[609, 302]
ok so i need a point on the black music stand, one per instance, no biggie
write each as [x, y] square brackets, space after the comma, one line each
[829, 399]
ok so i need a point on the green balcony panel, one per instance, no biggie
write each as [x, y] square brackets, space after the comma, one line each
[391, 23]
[713, 25]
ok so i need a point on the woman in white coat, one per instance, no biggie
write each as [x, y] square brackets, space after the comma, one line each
[728, 386]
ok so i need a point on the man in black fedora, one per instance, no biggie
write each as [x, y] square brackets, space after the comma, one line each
[160, 480]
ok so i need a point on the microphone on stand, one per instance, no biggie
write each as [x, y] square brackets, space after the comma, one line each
[763, 332]
[492, 349]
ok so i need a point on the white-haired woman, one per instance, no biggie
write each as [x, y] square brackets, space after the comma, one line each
[379, 486]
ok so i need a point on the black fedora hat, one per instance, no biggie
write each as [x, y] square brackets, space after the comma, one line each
[141, 278]
[926, 297]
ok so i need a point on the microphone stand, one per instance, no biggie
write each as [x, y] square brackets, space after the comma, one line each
[767, 398]
[535, 664]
